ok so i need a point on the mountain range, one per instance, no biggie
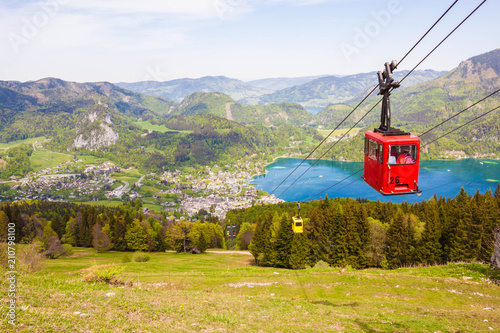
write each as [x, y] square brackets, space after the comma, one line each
[309, 91]
[101, 116]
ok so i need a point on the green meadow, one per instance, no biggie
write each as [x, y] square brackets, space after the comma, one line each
[225, 292]
[12, 144]
[158, 128]
[42, 159]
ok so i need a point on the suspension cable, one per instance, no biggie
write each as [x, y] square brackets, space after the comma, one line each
[441, 42]
[340, 139]
[343, 120]
[460, 112]
[432, 27]
[428, 143]
[470, 121]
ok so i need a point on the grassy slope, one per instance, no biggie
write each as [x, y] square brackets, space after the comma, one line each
[212, 292]
[148, 126]
[12, 144]
[42, 158]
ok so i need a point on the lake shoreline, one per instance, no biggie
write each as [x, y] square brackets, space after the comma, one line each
[443, 177]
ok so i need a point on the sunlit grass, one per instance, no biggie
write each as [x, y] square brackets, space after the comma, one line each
[158, 128]
[216, 292]
[42, 159]
[19, 142]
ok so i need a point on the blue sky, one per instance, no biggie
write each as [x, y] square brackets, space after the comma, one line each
[130, 40]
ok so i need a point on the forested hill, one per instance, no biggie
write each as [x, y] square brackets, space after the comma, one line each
[47, 106]
[224, 106]
[181, 88]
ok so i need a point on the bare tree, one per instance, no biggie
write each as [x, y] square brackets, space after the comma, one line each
[55, 249]
[100, 240]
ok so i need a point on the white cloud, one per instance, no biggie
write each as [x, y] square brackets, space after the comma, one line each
[309, 2]
[187, 9]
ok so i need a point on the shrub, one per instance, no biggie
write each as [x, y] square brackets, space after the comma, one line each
[68, 248]
[126, 258]
[103, 273]
[322, 264]
[141, 257]
[30, 257]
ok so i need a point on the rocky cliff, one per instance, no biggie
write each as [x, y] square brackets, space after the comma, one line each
[94, 130]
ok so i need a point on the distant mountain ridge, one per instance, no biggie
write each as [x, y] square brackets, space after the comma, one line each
[279, 83]
[334, 89]
[309, 91]
[181, 88]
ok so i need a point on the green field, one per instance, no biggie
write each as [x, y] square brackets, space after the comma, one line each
[337, 132]
[130, 176]
[42, 158]
[158, 128]
[89, 159]
[19, 142]
[224, 292]
[105, 203]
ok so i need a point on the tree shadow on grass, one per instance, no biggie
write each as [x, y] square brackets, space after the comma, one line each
[328, 303]
[366, 328]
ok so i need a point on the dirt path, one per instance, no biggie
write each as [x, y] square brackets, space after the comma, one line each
[229, 252]
[229, 115]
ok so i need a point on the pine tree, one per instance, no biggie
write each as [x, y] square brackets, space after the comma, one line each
[400, 242]
[58, 225]
[341, 251]
[429, 249]
[467, 236]
[260, 240]
[283, 243]
[202, 242]
[298, 252]
[490, 218]
[136, 237]
[363, 231]
[118, 228]
[317, 236]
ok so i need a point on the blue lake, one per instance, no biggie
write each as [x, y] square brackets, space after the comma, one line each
[444, 178]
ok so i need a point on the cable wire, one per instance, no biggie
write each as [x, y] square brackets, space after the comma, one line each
[442, 41]
[407, 53]
[460, 112]
[459, 127]
[340, 139]
[322, 141]
[432, 27]
[345, 118]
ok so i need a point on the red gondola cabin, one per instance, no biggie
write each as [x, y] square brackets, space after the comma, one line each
[391, 163]
[391, 155]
